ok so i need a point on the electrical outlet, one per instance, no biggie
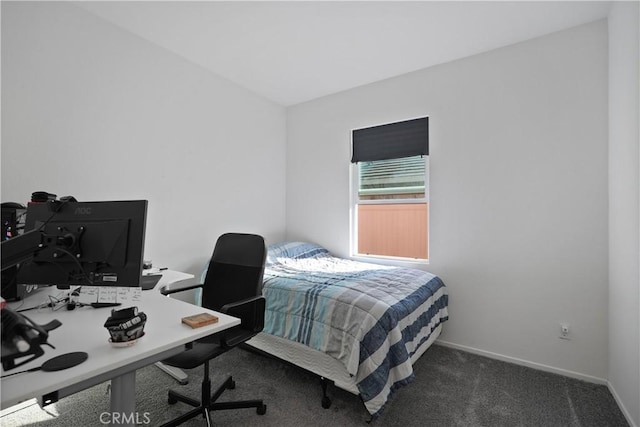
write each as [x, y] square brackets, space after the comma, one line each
[565, 331]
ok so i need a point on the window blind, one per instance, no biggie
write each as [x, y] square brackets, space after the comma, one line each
[393, 176]
[391, 141]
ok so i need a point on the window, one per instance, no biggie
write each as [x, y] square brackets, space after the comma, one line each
[390, 197]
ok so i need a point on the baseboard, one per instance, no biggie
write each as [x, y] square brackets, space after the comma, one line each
[527, 363]
[623, 409]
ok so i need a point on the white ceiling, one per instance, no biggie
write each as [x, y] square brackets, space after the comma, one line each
[295, 51]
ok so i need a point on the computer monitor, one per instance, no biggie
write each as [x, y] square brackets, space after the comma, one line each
[86, 243]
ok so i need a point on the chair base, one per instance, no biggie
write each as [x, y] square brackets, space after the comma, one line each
[209, 403]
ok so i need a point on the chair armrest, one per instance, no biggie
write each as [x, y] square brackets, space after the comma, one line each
[165, 291]
[250, 311]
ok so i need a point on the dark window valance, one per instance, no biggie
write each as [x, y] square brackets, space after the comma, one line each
[391, 141]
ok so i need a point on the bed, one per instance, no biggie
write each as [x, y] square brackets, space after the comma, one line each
[358, 325]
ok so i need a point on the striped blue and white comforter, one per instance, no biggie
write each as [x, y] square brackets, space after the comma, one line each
[370, 317]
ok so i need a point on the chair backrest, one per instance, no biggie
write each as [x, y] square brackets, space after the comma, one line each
[235, 271]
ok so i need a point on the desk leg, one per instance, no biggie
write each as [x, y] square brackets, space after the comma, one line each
[123, 400]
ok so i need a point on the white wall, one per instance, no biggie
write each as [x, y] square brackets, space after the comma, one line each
[518, 216]
[624, 212]
[93, 111]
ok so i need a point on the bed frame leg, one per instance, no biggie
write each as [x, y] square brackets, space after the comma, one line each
[326, 402]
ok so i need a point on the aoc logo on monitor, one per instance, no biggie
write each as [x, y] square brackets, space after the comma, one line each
[82, 210]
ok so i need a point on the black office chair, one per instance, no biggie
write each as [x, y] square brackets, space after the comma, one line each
[232, 285]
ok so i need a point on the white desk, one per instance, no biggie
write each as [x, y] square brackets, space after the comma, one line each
[83, 330]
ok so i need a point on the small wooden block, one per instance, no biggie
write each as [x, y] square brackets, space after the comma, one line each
[198, 320]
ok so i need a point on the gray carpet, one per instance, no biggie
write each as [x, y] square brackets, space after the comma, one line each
[452, 388]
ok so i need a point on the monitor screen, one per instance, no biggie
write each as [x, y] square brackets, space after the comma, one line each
[86, 243]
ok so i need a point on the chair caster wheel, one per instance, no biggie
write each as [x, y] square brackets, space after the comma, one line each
[261, 410]
[231, 385]
[326, 402]
[172, 400]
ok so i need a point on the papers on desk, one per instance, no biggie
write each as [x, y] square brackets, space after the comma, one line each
[109, 294]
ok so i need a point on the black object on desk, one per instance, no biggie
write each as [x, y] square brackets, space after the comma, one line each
[21, 337]
[126, 324]
[104, 304]
[58, 363]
